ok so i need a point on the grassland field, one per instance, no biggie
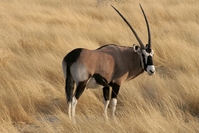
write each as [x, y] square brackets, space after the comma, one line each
[35, 35]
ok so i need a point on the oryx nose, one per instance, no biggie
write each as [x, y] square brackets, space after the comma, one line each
[152, 71]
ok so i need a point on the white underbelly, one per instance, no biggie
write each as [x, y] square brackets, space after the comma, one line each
[92, 84]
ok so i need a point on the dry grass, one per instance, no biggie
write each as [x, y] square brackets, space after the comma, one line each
[36, 34]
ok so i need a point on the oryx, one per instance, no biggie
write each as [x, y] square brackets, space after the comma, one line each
[107, 66]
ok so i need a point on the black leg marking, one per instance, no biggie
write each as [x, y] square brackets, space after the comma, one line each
[106, 93]
[115, 90]
[100, 80]
[80, 88]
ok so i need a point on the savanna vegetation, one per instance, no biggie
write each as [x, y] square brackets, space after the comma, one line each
[36, 34]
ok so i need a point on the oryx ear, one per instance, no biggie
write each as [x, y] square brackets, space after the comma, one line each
[136, 48]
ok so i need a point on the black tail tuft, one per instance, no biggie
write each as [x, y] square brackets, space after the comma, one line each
[69, 85]
[70, 58]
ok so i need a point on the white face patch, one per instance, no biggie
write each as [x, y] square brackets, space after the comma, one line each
[150, 68]
[147, 54]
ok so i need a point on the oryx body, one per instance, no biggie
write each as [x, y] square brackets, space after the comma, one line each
[107, 66]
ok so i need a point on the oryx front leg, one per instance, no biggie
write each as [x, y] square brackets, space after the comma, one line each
[106, 90]
[69, 110]
[115, 91]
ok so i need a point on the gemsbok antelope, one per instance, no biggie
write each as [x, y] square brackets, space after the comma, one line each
[105, 67]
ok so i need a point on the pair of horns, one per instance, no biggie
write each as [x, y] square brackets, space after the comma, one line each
[148, 29]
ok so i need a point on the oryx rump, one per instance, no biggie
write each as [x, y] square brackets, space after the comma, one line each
[105, 67]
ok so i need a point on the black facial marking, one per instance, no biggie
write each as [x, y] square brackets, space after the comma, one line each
[149, 60]
[100, 80]
[148, 50]
[144, 61]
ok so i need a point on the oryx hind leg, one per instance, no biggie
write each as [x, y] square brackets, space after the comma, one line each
[69, 87]
[78, 92]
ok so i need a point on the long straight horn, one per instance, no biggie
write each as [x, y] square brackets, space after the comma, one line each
[140, 42]
[148, 29]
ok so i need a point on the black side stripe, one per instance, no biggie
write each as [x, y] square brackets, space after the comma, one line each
[100, 80]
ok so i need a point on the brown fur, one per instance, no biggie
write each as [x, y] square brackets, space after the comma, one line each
[127, 62]
[114, 63]
[95, 61]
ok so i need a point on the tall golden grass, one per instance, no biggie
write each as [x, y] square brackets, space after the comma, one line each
[36, 34]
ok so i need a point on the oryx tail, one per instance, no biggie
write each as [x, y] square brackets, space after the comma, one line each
[69, 81]
[66, 65]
